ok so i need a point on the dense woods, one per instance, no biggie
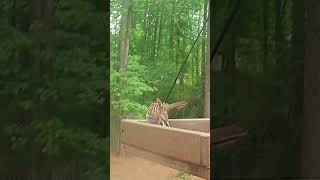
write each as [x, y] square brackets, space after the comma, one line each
[53, 89]
[264, 81]
[149, 42]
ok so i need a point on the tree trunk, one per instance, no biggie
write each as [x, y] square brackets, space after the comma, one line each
[145, 22]
[124, 41]
[311, 123]
[265, 14]
[206, 59]
[295, 77]
[160, 31]
[172, 30]
[198, 54]
[277, 9]
[229, 51]
[183, 55]
[123, 63]
[40, 15]
[154, 42]
[204, 39]
[146, 49]
[279, 32]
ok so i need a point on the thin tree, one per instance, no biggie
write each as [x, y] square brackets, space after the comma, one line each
[206, 59]
[123, 65]
[41, 13]
[265, 14]
[172, 31]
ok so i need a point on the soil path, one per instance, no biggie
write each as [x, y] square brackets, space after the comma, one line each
[134, 168]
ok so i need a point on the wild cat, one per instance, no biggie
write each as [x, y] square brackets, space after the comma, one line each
[158, 112]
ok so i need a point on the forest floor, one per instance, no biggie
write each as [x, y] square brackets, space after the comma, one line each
[134, 168]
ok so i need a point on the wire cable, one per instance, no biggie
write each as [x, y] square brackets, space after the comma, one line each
[174, 82]
[225, 30]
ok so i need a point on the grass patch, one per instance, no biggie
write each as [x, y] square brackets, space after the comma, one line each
[184, 176]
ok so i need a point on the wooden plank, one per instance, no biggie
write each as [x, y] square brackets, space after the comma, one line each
[191, 168]
[202, 125]
[180, 144]
[199, 124]
[205, 151]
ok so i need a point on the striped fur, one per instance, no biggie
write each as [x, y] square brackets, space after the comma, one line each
[157, 114]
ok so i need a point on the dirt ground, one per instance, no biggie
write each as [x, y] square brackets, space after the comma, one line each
[134, 168]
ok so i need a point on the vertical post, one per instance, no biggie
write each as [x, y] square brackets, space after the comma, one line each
[207, 69]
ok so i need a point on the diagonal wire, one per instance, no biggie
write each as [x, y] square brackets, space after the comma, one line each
[185, 60]
[225, 30]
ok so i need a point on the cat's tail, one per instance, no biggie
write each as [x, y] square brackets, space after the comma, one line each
[176, 105]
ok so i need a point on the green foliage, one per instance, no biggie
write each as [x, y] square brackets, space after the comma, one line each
[261, 93]
[56, 140]
[151, 70]
[184, 176]
[135, 88]
[54, 102]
